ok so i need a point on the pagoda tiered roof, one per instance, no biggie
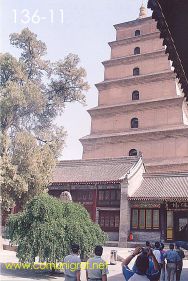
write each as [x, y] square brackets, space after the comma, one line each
[157, 132]
[129, 40]
[136, 105]
[134, 58]
[140, 79]
[132, 22]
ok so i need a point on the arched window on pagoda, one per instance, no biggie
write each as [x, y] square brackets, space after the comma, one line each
[133, 152]
[136, 71]
[135, 95]
[137, 51]
[137, 32]
[134, 123]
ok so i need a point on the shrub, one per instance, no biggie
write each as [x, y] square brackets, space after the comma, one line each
[47, 227]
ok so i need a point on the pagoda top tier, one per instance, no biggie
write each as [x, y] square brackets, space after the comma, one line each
[143, 12]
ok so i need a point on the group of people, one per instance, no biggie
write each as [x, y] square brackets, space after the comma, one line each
[152, 263]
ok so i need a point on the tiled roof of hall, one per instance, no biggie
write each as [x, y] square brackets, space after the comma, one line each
[110, 170]
[162, 187]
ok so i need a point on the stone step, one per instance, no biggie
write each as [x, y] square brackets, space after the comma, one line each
[111, 243]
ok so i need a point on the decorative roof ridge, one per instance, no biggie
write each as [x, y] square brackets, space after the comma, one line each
[135, 38]
[86, 182]
[167, 175]
[135, 168]
[157, 199]
[138, 56]
[132, 22]
[93, 162]
[171, 161]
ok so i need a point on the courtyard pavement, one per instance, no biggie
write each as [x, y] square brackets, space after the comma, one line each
[28, 275]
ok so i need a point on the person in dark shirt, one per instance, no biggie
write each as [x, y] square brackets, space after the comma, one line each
[180, 263]
[148, 245]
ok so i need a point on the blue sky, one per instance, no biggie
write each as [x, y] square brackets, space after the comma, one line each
[70, 26]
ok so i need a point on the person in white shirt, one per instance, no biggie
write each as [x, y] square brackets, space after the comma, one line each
[73, 264]
[157, 252]
[97, 268]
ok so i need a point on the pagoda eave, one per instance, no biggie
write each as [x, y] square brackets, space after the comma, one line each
[136, 105]
[134, 58]
[134, 80]
[136, 134]
[134, 39]
[131, 23]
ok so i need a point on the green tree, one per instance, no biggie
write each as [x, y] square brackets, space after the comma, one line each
[47, 227]
[34, 92]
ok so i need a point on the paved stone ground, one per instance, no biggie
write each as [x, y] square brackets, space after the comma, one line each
[28, 275]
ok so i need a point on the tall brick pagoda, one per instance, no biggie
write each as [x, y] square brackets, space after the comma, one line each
[141, 108]
[141, 111]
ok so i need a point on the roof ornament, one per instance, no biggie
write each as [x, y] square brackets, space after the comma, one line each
[66, 197]
[143, 11]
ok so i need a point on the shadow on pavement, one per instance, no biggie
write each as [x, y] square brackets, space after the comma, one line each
[30, 273]
[184, 275]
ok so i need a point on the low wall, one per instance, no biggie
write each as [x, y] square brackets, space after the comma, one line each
[113, 236]
[142, 236]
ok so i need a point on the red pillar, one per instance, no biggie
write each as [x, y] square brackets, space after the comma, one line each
[94, 204]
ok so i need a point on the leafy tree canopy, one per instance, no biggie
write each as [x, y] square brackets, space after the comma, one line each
[34, 92]
[47, 227]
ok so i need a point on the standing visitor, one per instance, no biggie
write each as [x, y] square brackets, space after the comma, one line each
[163, 265]
[72, 264]
[148, 245]
[173, 259]
[180, 263]
[96, 267]
[141, 268]
[157, 252]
